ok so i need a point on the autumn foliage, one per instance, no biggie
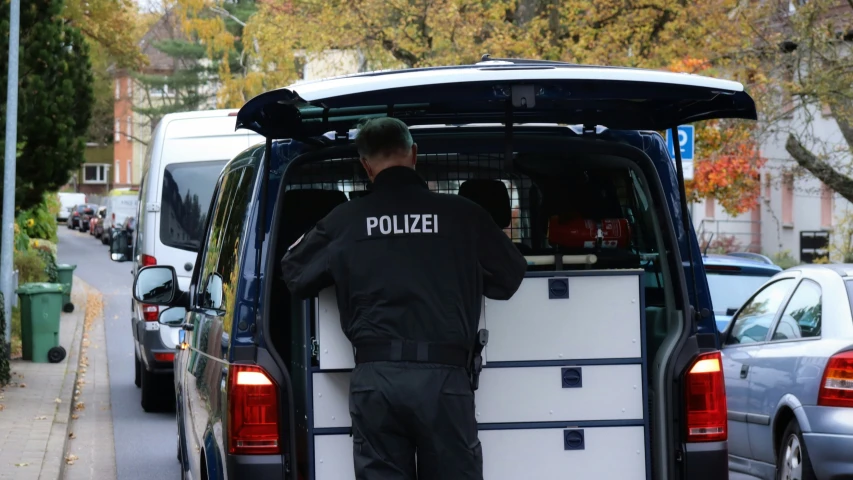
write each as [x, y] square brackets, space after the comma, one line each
[727, 158]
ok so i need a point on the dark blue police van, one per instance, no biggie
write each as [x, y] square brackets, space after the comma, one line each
[605, 364]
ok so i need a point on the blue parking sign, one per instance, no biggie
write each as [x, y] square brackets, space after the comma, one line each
[685, 142]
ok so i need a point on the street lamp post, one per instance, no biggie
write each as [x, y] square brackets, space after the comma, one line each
[8, 230]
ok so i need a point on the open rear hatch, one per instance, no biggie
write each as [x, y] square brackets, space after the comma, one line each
[618, 98]
[566, 386]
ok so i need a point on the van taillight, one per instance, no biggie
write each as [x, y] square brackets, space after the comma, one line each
[147, 260]
[705, 398]
[253, 412]
[114, 217]
[150, 313]
[836, 387]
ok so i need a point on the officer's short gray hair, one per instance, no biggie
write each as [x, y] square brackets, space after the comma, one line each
[383, 136]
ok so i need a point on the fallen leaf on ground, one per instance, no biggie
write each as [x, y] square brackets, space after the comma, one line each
[23, 385]
[2, 407]
[70, 458]
[71, 435]
[41, 417]
[58, 400]
[74, 416]
[79, 406]
[21, 464]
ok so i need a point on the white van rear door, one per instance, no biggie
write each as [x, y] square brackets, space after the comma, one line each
[193, 156]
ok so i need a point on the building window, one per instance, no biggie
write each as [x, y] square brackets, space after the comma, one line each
[788, 200]
[710, 206]
[825, 206]
[117, 172]
[129, 130]
[118, 132]
[130, 171]
[95, 173]
[118, 88]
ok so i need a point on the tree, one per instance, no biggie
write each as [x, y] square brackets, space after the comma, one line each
[220, 29]
[177, 77]
[181, 89]
[808, 51]
[54, 97]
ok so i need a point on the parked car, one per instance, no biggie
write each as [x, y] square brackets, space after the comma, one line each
[96, 222]
[732, 279]
[67, 202]
[788, 363]
[86, 217]
[120, 204]
[186, 154]
[79, 216]
[262, 377]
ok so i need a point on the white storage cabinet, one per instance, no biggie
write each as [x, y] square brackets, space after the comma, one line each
[562, 391]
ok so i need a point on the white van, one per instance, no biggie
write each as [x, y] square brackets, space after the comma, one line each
[186, 154]
[67, 200]
[121, 203]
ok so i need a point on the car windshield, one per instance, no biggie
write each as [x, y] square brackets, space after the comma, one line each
[187, 190]
[731, 291]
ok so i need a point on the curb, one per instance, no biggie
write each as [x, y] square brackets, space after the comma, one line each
[53, 466]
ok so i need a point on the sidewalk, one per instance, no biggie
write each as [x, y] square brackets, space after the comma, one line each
[37, 404]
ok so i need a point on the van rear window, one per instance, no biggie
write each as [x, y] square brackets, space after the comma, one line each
[187, 190]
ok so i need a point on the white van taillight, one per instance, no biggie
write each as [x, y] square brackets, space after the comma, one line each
[150, 313]
[114, 218]
[705, 398]
[147, 260]
[253, 412]
[836, 387]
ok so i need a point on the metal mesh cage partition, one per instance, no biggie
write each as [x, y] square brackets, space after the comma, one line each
[444, 173]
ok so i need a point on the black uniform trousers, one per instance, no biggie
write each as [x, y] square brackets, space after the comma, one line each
[401, 408]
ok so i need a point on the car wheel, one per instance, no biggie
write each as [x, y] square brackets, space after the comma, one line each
[792, 460]
[138, 372]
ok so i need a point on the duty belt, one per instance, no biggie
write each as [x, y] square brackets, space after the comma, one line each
[406, 351]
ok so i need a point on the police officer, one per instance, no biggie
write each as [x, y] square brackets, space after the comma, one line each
[410, 267]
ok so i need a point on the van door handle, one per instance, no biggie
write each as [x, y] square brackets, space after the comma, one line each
[744, 370]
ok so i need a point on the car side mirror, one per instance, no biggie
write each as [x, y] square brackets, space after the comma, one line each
[157, 285]
[118, 247]
[173, 316]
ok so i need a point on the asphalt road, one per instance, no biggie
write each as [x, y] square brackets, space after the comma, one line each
[144, 442]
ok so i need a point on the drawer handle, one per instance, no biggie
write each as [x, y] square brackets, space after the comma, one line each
[558, 288]
[573, 440]
[572, 378]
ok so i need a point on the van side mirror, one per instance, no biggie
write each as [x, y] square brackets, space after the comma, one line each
[157, 285]
[119, 246]
[173, 316]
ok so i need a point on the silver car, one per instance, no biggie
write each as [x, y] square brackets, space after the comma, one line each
[788, 364]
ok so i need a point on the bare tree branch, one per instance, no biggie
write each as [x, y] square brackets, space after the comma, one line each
[822, 170]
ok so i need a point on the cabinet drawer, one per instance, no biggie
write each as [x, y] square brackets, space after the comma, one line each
[591, 453]
[567, 317]
[550, 394]
[519, 394]
[595, 453]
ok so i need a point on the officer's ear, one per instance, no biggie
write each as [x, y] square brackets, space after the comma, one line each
[367, 168]
[414, 154]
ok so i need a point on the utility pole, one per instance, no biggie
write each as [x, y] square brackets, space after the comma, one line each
[8, 229]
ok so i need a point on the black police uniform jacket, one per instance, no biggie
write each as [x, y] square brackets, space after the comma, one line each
[407, 263]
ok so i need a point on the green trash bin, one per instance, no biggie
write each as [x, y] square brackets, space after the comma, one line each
[65, 276]
[40, 307]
